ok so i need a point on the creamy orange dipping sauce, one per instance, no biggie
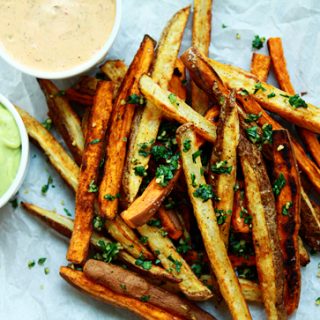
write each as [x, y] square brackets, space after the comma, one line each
[55, 35]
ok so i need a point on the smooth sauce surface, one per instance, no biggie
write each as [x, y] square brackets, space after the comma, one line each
[55, 35]
[10, 149]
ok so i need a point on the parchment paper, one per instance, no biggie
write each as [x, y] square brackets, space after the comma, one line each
[32, 295]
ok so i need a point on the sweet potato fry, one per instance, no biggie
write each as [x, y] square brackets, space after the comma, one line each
[120, 124]
[57, 156]
[87, 85]
[260, 66]
[87, 185]
[79, 97]
[288, 214]
[84, 121]
[265, 238]
[171, 260]
[170, 223]
[177, 83]
[176, 108]
[64, 226]
[145, 206]
[213, 114]
[150, 117]
[64, 118]
[223, 163]
[312, 143]
[130, 284]
[201, 194]
[142, 309]
[201, 34]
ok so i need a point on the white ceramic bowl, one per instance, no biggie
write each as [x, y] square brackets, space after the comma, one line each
[96, 59]
[16, 183]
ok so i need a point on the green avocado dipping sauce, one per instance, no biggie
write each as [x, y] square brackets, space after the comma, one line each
[10, 149]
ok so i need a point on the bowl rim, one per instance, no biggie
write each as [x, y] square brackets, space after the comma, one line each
[24, 160]
[94, 60]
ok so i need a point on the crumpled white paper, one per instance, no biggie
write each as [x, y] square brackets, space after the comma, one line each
[32, 295]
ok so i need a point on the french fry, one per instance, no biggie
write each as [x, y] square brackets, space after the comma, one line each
[213, 114]
[150, 117]
[288, 215]
[79, 97]
[176, 108]
[64, 118]
[207, 222]
[145, 206]
[260, 66]
[177, 83]
[57, 156]
[304, 255]
[171, 260]
[238, 261]
[170, 223]
[87, 85]
[121, 120]
[87, 185]
[260, 202]
[201, 34]
[250, 290]
[64, 226]
[223, 163]
[312, 144]
[84, 121]
[142, 309]
[130, 284]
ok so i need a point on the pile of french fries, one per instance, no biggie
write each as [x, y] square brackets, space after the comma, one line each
[179, 202]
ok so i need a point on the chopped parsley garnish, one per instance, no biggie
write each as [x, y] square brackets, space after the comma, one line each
[238, 36]
[254, 136]
[244, 92]
[271, 95]
[176, 263]
[140, 171]
[286, 207]
[245, 272]
[123, 287]
[221, 215]
[172, 98]
[143, 240]
[253, 117]
[47, 124]
[14, 203]
[31, 264]
[267, 133]
[160, 152]
[136, 99]
[41, 261]
[169, 203]
[141, 262]
[94, 141]
[279, 184]
[197, 269]
[258, 86]
[92, 187]
[98, 223]
[144, 149]
[297, 102]
[196, 155]
[239, 246]
[193, 180]
[204, 191]
[145, 298]
[186, 145]
[257, 42]
[154, 223]
[236, 187]
[109, 251]
[46, 271]
[223, 26]
[221, 167]
[68, 213]
[247, 218]
[318, 301]
[110, 197]
[164, 233]
[45, 187]
[183, 246]
[164, 173]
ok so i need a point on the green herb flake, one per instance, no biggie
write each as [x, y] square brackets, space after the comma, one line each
[253, 117]
[196, 155]
[31, 264]
[109, 251]
[244, 92]
[172, 98]
[143, 240]
[140, 171]
[223, 26]
[257, 42]
[14, 203]
[258, 86]
[123, 287]
[145, 298]
[98, 223]
[221, 168]
[184, 246]
[94, 141]
[197, 269]
[177, 263]
[163, 233]
[318, 301]
[41, 261]
[93, 188]
[45, 188]
[193, 180]
[297, 102]
[286, 207]
[236, 187]
[279, 184]
[67, 212]
[46, 271]
[47, 124]
[154, 223]
[238, 37]
[221, 215]
[204, 191]
[271, 95]
[184, 82]
[136, 99]
[186, 145]
[110, 197]
[252, 134]
[141, 262]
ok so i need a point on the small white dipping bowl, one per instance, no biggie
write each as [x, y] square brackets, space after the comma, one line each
[78, 70]
[20, 175]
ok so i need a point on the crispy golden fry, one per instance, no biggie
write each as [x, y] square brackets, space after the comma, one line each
[150, 118]
[120, 125]
[58, 157]
[176, 108]
[171, 260]
[145, 206]
[260, 66]
[143, 309]
[207, 222]
[312, 143]
[79, 97]
[130, 284]
[87, 185]
[115, 70]
[87, 85]
[288, 215]
[223, 163]
[177, 83]
[64, 226]
[260, 202]
[84, 121]
[170, 222]
[64, 118]
[201, 34]
[250, 290]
